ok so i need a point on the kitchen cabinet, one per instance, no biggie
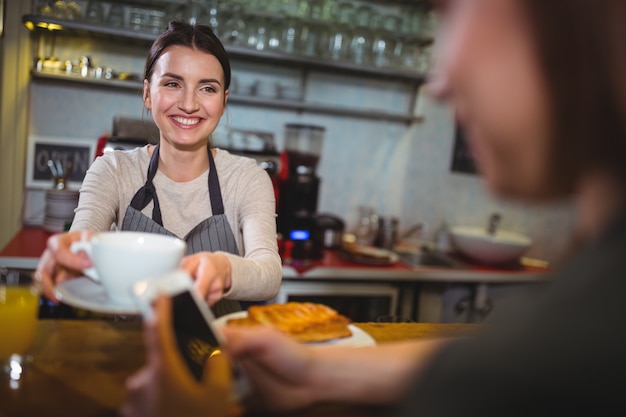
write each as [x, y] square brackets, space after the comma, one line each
[49, 28]
[470, 302]
[361, 301]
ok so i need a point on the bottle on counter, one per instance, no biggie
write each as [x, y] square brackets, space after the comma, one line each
[442, 238]
[387, 234]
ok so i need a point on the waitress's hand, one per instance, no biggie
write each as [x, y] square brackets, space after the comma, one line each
[212, 273]
[58, 263]
[165, 387]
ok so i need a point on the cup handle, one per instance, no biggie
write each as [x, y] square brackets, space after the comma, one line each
[85, 246]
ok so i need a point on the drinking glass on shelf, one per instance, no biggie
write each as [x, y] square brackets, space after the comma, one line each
[339, 42]
[428, 24]
[313, 37]
[409, 56]
[94, 12]
[345, 12]
[274, 31]
[384, 42]
[290, 34]
[412, 20]
[322, 10]
[340, 35]
[364, 15]
[256, 30]
[362, 38]
[19, 307]
[361, 46]
[234, 29]
[303, 8]
[425, 60]
[116, 16]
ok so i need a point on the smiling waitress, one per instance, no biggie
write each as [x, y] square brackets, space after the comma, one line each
[222, 205]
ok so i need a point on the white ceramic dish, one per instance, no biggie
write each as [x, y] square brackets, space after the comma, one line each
[358, 338]
[86, 294]
[498, 248]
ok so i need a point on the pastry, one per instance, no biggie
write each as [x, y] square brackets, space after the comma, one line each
[306, 322]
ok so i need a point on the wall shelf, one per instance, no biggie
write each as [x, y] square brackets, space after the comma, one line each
[47, 26]
[255, 101]
[52, 25]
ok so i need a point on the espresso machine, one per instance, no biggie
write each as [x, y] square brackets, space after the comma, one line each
[297, 203]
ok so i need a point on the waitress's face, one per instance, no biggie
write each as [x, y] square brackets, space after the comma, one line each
[186, 96]
[488, 70]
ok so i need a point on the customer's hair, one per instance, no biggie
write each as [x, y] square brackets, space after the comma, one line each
[194, 36]
[581, 45]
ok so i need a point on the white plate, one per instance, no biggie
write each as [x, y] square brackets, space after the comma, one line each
[88, 295]
[358, 338]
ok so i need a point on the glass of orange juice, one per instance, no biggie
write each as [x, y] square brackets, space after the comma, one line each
[19, 307]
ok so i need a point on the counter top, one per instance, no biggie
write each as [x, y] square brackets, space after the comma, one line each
[79, 366]
[24, 249]
[334, 266]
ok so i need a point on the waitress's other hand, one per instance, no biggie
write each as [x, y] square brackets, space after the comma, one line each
[58, 263]
[164, 387]
[212, 273]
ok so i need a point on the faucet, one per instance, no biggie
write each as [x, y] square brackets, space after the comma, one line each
[494, 222]
[416, 228]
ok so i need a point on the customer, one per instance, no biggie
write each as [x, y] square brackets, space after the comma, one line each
[540, 88]
[229, 224]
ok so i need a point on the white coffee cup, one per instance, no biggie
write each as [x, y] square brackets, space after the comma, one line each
[122, 258]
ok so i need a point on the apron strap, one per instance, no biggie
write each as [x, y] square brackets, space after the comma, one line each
[147, 193]
[215, 193]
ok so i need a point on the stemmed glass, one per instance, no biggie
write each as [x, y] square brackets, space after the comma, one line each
[19, 306]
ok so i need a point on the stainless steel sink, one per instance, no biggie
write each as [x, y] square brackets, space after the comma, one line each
[431, 258]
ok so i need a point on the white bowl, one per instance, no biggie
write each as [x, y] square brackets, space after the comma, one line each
[498, 248]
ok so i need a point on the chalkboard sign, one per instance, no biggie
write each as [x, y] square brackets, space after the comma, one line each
[79, 152]
[462, 160]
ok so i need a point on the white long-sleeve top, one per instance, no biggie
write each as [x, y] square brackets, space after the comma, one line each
[249, 204]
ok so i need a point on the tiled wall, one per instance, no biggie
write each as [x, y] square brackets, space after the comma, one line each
[399, 170]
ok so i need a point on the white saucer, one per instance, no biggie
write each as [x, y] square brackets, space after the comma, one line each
[88, 295]
[359, 336]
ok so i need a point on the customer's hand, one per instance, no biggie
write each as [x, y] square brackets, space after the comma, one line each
[279, 369]
[211, 272]
[58, 263]
[165, 387]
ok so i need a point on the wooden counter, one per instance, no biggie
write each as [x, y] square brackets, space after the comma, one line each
[79, 366]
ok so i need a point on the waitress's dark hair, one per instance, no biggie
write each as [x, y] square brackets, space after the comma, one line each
[181, 33]
[581, 46]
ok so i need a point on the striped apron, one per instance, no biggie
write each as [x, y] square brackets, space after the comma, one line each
[212, 234]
